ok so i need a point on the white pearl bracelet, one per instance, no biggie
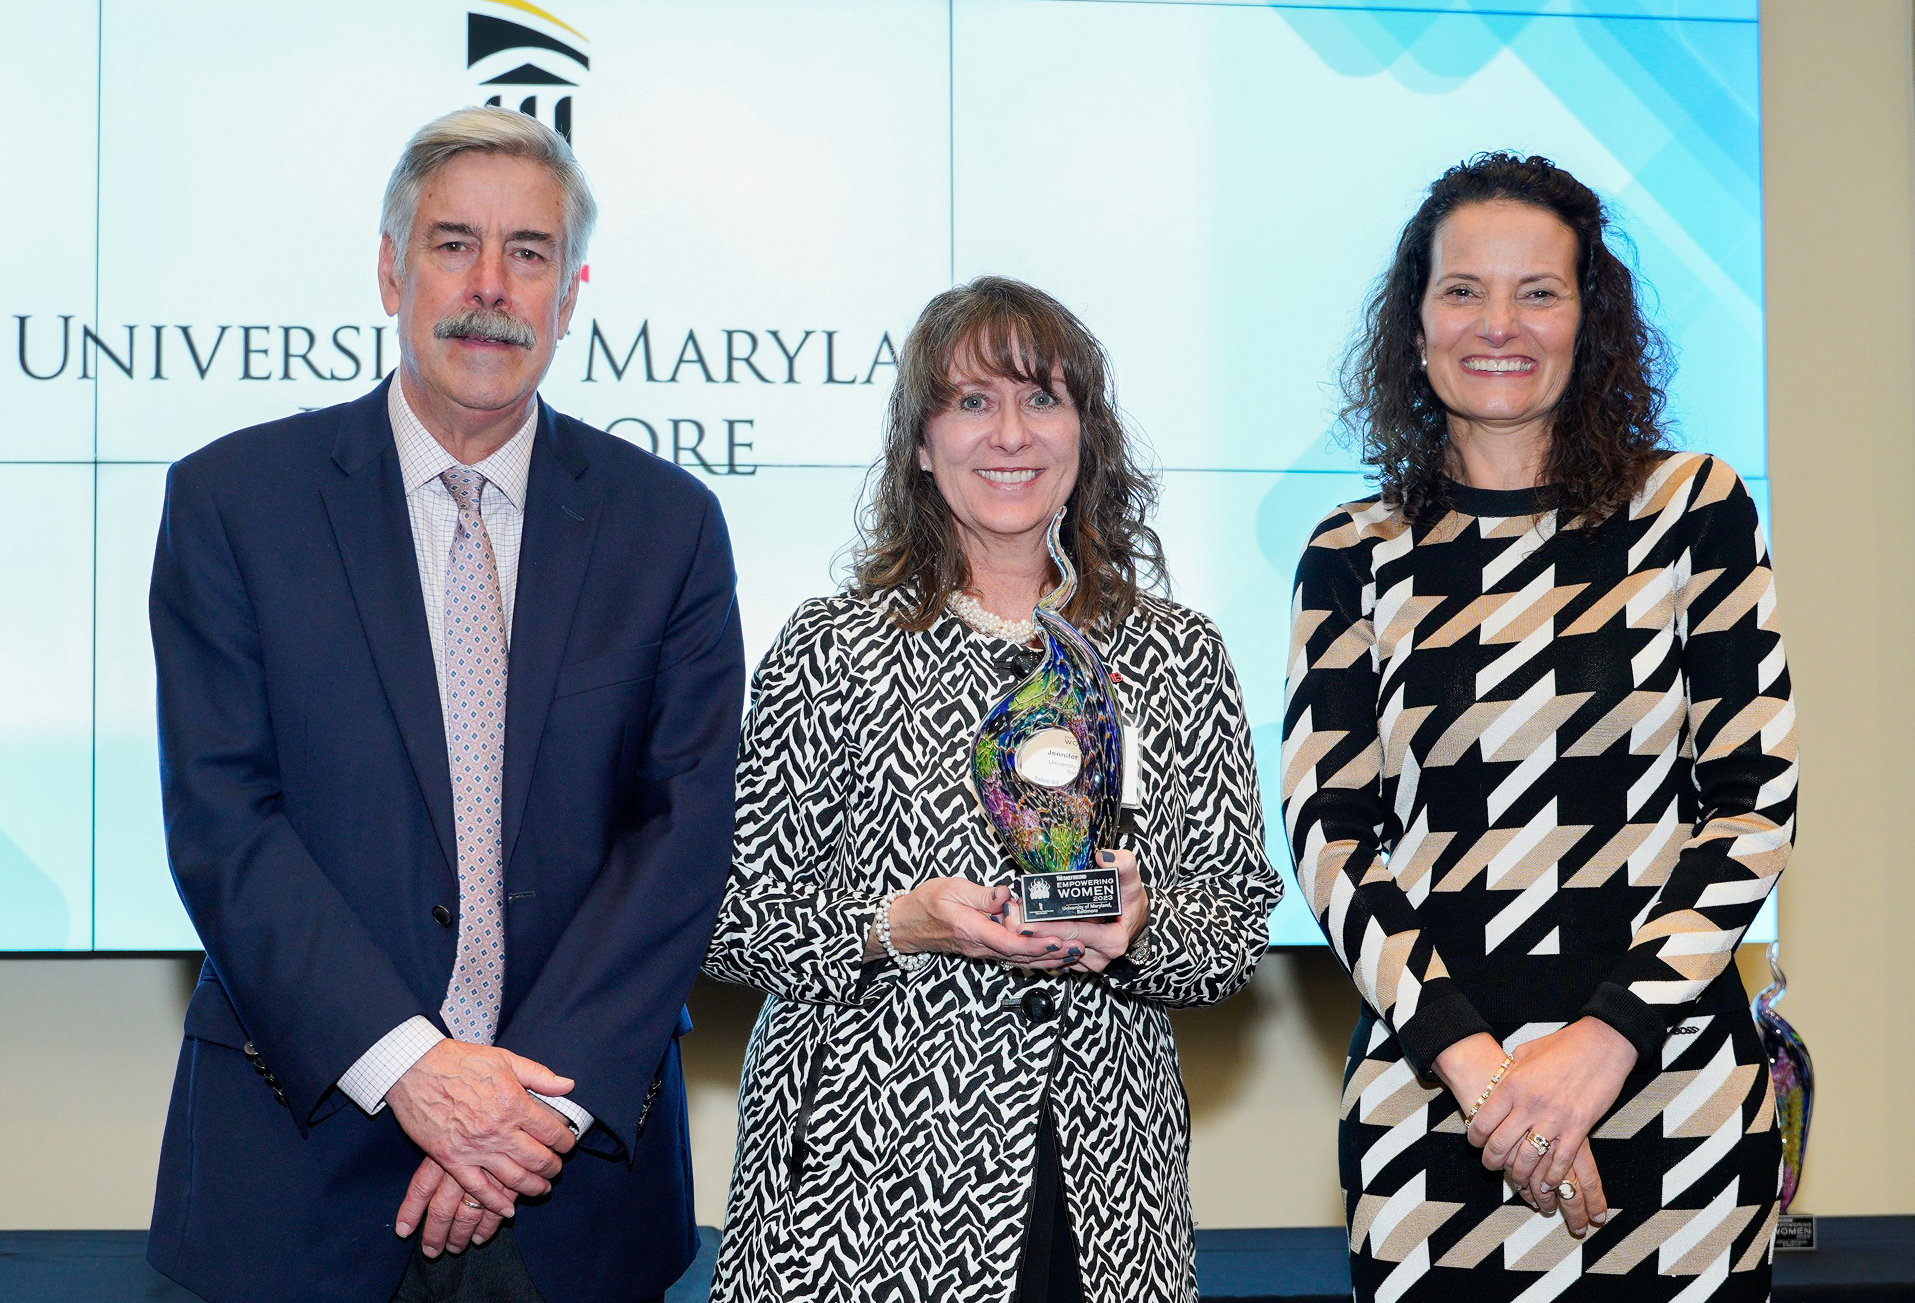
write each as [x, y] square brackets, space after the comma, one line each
[909, 963]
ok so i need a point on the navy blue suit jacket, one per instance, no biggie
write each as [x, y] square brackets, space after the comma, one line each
[309, 825]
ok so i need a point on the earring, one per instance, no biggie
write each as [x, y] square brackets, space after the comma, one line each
[1423, 361]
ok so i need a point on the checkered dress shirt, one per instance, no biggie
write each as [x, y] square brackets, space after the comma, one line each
[435, 520]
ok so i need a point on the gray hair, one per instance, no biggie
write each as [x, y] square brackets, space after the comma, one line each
[488, 130]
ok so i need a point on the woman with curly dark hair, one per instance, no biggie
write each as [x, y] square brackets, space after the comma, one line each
[940, 1102]
[1539, 777]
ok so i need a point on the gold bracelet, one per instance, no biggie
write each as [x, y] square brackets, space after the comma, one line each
[1483, 1098]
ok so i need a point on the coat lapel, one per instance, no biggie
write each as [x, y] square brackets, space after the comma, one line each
[367, 506]
[561, 521]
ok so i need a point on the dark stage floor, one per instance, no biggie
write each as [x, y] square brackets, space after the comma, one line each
[1862, 1260]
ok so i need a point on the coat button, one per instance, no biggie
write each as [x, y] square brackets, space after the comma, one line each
[1038, 1007]
[250, 1052]
[442, 916]
[1020, 661]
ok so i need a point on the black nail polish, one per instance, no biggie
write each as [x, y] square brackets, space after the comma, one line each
[1075, 954]
[1052, 946]
[1107, 857]
[1027, 933]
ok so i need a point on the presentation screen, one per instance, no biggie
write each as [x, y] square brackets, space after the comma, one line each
[1212, 186]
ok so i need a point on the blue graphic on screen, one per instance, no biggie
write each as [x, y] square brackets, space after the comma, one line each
[1675, 104]
[1211, 186]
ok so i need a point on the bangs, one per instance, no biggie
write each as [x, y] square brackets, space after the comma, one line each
[1014, 342]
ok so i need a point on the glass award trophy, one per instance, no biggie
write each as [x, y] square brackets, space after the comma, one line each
[1047, 763]
[1793, 1075]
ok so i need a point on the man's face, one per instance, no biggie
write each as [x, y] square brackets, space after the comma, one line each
[481, 303]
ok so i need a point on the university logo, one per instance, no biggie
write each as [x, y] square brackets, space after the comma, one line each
[1039, 888]
[530, 62]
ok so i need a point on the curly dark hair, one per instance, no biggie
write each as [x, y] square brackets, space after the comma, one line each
[908, 542]
[1607, 430]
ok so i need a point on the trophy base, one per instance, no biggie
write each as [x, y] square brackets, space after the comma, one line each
[1080, 893]
[1795, 1231]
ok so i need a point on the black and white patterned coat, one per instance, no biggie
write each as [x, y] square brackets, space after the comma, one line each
[887, 1120]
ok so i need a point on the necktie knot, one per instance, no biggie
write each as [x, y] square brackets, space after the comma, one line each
[464, 484]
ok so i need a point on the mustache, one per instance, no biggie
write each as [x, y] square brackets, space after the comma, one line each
[485, 324]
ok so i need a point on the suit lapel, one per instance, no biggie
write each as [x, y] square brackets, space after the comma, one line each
[561, 521]
[367, 506]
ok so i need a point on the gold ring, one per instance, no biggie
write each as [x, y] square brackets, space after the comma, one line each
[470, 1202]
[1567, 1190]
[1540, 1145]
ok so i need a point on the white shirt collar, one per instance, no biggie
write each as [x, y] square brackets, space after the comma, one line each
[422, 458]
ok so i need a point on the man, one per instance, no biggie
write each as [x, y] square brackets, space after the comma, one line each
[449, 696]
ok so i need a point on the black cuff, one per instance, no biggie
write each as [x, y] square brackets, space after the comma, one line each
[1435, 1027]
[1631, 1015]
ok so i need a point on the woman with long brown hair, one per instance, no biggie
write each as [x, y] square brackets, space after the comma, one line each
[1539, 777]
[939, 1100]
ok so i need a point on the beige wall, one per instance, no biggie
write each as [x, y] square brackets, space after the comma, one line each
[1839, 160]
[89, 1044]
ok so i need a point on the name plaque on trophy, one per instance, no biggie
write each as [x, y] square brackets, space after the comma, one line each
[1048, 765]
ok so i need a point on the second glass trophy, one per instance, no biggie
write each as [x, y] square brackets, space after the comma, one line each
[1048, 762]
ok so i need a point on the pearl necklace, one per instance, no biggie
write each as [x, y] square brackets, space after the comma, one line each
[968, 609]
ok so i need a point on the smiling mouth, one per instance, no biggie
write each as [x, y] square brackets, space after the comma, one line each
[1499, 365]
[1010, 476]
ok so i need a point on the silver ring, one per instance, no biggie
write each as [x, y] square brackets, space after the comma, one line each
[1540, 1145]
[470, 1202]
[1567, 1190]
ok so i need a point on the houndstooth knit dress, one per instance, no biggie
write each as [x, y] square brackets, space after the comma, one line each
[1531, 774]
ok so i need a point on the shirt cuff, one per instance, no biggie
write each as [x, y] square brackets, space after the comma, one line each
[379, 1068]
[575, 1117]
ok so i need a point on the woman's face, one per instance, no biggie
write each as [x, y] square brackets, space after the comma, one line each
[1004, 455]
[1500, 315]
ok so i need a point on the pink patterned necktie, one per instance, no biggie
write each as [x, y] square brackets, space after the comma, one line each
[475, 663]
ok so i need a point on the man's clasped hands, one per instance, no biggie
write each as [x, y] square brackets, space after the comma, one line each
[487, 1140]
[1556, 1088]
